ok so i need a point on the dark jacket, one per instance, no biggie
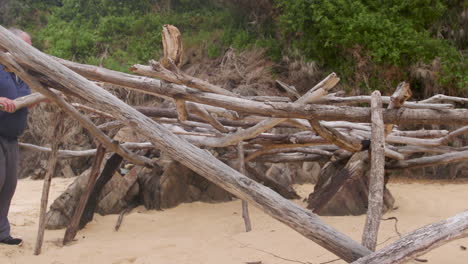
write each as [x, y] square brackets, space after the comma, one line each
[12, 125]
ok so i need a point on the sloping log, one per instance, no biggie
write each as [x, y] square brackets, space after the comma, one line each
[420, 241]
[284, 190]
[271, 109]
[290, 90]
[73, 227]
[111, 166]
[376, 179]
[335, 137]
[51, 171]
[156, 70]
[198, 160]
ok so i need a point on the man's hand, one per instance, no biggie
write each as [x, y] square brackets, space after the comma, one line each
[7, 105]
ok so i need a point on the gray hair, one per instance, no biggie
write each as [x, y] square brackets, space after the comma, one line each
[17, 32]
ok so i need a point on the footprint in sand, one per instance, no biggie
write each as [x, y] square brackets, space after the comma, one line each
[125, 260]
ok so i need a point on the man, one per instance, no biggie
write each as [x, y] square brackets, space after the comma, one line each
[12, 125]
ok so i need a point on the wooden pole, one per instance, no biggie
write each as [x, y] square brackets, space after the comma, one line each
[72, 228]
[376, 179]
[52, 164]
[245, 206]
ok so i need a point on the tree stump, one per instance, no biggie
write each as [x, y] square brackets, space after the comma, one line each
[343, 187]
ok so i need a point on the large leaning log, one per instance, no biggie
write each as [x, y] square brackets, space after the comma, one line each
[200, 161]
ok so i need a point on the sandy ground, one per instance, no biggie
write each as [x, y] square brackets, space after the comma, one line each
[214, 233]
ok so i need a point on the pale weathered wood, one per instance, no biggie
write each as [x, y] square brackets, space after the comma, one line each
[27, 101]
[282, 149]
[420, 241]
[172, 45]
[331, 99]
[92, 110]
[198, 160]
[398, 98]
[207, 117]
[245, 206]
[291, 90]
[335, 137]
[429, 161]
[52, 164]
[181, 109]
[65, 154]
[156, 70]
[442, 97]
[315, 93]
[72, 228]
[376, 179]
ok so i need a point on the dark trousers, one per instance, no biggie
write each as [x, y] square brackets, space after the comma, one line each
[8, 180]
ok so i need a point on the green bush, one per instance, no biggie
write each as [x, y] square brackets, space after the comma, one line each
[390, 32]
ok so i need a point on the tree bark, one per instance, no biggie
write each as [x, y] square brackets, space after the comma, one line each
[46, 188]
[376, 179]
[112, 165]
[245, 205]
[72, 228]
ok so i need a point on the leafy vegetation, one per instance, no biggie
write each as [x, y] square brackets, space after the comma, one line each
[371, 44]
[341, 33]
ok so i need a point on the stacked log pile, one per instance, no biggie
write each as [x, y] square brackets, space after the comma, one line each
[358, 143]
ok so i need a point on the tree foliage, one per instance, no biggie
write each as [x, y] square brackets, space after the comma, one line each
[363, 40]
[391, 33]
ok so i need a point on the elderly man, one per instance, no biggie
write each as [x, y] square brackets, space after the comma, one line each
[12, 125]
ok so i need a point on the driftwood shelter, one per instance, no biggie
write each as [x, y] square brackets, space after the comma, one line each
[358, 143]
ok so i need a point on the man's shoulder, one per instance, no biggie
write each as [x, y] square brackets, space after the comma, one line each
[2, 71]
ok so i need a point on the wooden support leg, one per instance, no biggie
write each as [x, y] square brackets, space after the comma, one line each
[46, 187]
[245, 206]
[112, 164]
[72, 228]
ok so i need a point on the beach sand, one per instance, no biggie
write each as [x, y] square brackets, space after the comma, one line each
[214, 233]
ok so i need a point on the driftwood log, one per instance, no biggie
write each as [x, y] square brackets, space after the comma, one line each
[376, 177]
[420, 241]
